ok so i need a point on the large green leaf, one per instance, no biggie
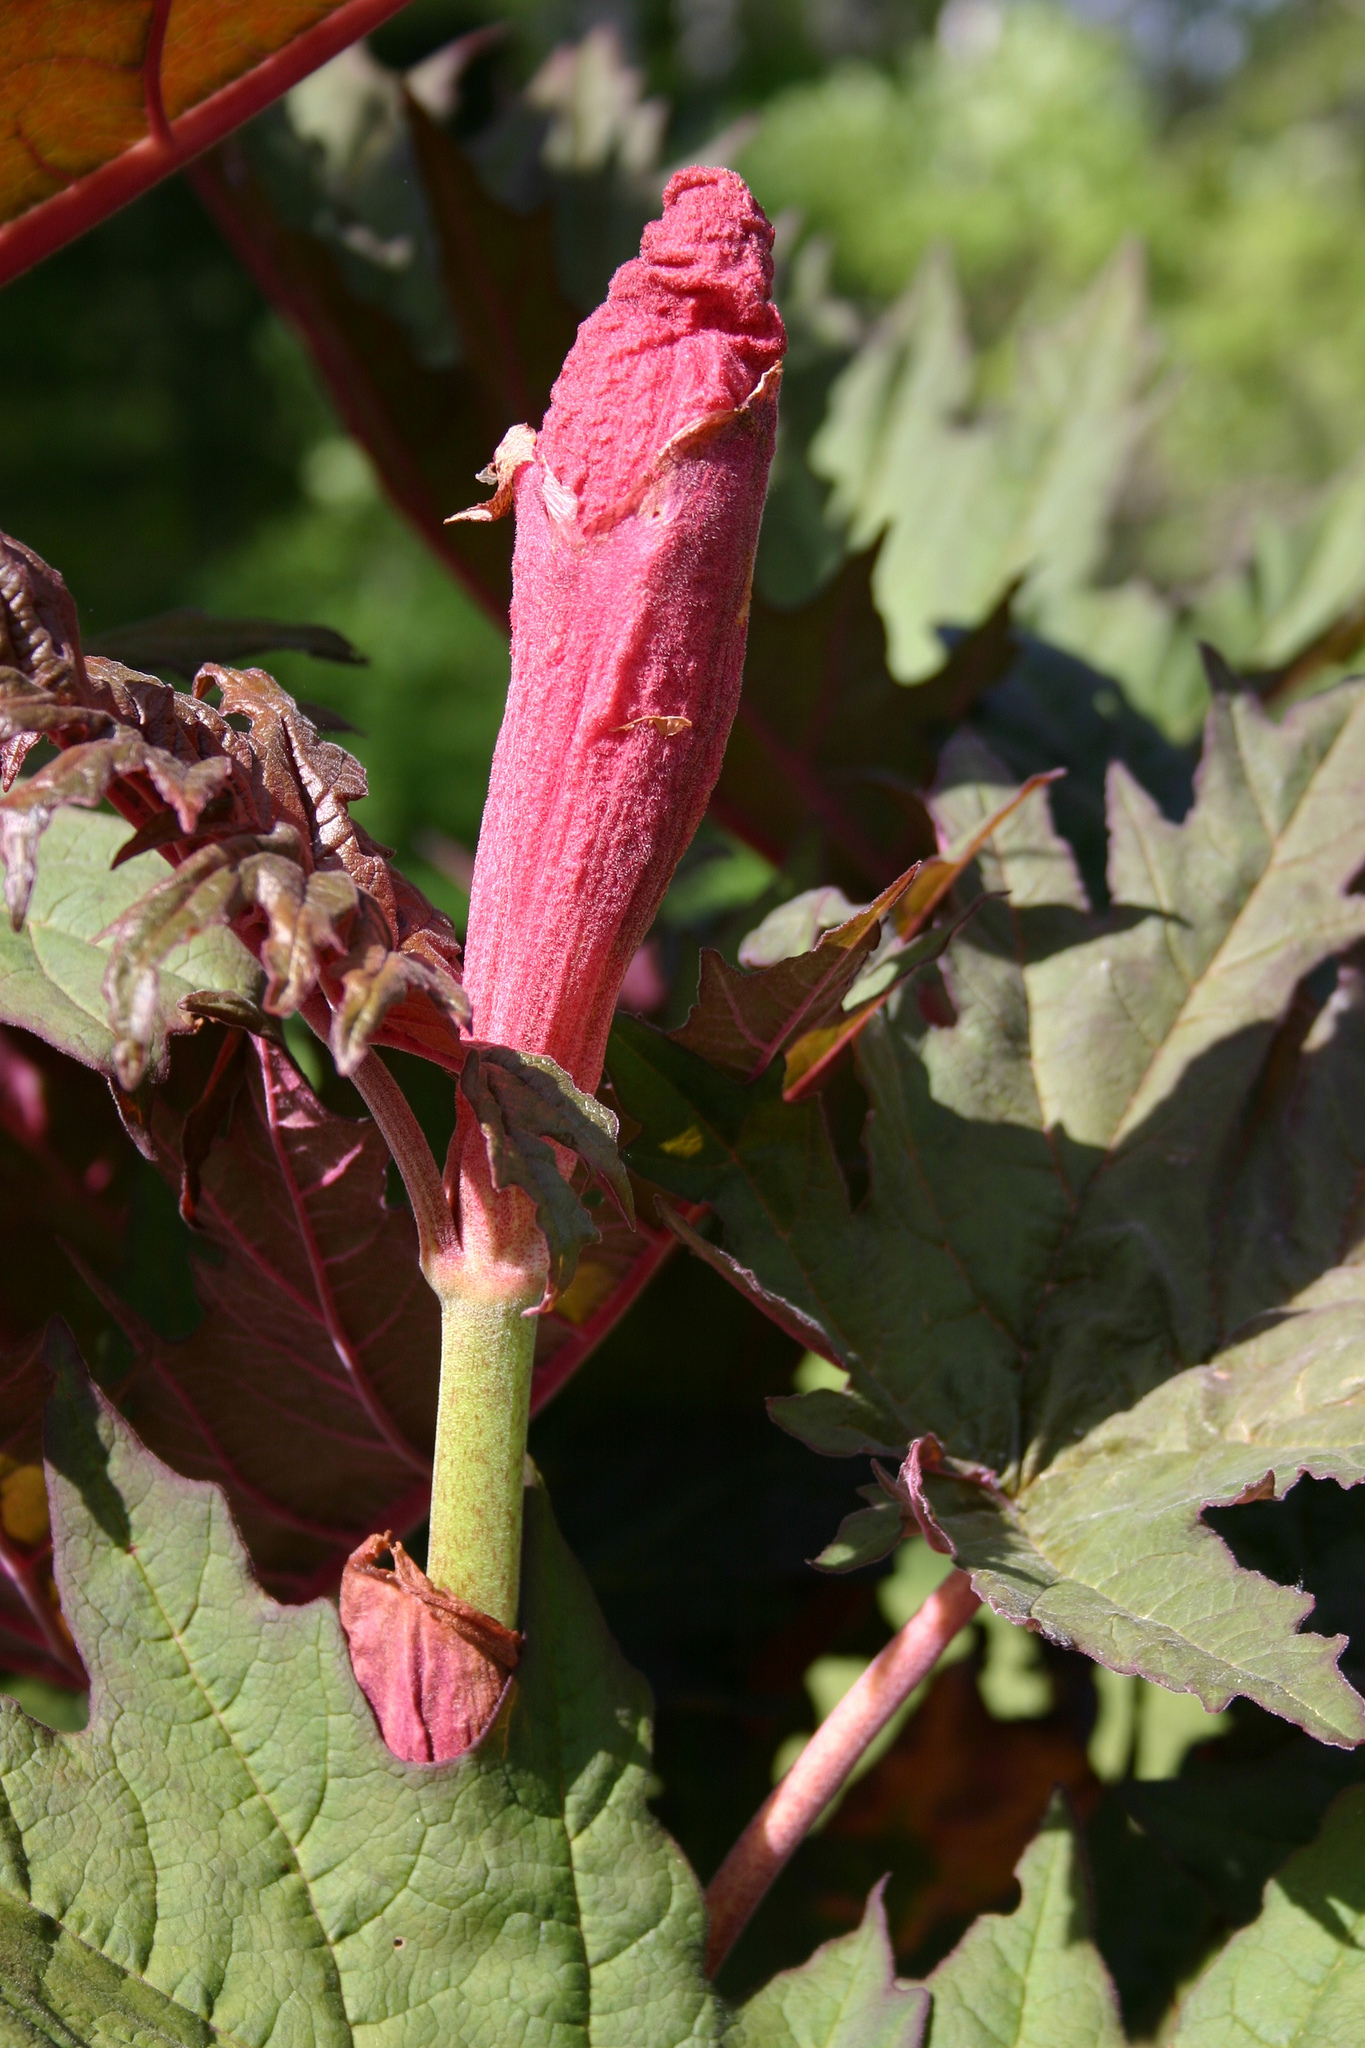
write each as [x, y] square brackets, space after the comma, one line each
[1106, 1548]
[1133, 1139]
[1297, 1975]
[1031, 1978]
[52, 972]
[230, 1851]
[846, 1996]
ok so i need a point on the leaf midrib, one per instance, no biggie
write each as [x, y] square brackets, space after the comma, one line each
[133, 1977]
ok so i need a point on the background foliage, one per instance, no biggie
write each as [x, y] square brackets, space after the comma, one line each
[980, 214]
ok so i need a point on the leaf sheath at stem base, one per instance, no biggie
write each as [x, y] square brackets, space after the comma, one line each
[487, 1351]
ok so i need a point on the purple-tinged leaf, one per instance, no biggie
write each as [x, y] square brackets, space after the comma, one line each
[256, 827]
[309, 1390]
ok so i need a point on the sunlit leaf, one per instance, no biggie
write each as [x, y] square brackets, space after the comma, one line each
[52, 972]
[846, 1996]
[1085, 1188]
[1031, 1978]
[97, 105]
[526, 1883]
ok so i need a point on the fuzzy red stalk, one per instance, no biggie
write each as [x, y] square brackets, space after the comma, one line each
[638, 508]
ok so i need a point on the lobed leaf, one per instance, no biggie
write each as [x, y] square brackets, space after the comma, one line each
[846, 1996]
[229, 1851]
[1081, 1190]
[1023, 492]
[1031, 1978]
[794, 998]
[1106, 1549]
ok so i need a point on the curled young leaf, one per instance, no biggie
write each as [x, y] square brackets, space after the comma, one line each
[525, 1106]
[376, 979]
[83, 775]
[256, 826]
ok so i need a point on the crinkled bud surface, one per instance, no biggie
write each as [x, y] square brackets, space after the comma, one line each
[638, 508]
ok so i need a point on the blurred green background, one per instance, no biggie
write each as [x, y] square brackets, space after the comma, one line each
[165, 442]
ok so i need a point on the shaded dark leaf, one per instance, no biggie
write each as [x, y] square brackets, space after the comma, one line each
[428, 428]
[1231, 1820]
[182, 641]
[1070, 1172]
[33, 1636]
[309, 1390]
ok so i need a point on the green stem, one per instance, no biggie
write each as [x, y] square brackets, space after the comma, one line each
[487, 1349]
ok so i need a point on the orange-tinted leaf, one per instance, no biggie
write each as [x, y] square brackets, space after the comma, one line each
[810, 1057]
[97, 103]
[743, 1019]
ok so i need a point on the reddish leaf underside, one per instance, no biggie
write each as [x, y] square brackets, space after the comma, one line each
[309, 1390]
[427, 430]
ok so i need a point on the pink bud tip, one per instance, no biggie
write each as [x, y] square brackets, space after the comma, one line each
[638, 508]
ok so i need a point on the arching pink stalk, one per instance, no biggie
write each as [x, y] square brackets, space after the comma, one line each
[638, 507]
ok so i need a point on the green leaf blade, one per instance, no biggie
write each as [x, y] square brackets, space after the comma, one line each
[52, 972]
[1031, 1978]
[846, 1996]
[231, 1833]
[1297, 1975]
[1106, 1246]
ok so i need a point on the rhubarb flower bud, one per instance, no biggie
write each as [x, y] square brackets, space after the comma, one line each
[637, 507]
